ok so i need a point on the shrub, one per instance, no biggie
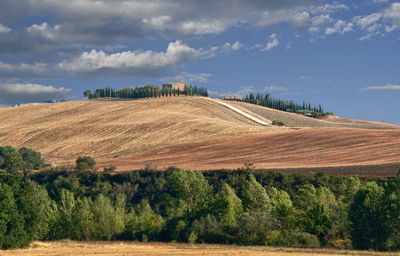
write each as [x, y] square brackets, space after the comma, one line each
[277, 123]
[85, 163]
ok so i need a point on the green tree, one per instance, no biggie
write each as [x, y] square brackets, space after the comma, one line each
[145, 224]
[253, 195]
[108, 221]
[87, 94]
[192, 188]
[368, 218]
[227, 206]
[84, 163]
[32, 159]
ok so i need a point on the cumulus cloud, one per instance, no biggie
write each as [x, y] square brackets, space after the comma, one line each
[300, 20]
[390, 87]
[272, 43]
[368, 20]
[23, 69]
[26, 93]
[339, 27]
[134, 63]
[393, 12]
[4, 29]
[231, 47]
[188, 77]
[275, 88]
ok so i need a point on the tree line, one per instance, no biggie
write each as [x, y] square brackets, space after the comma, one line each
[148, 91]
[243, 206]
[288, 106]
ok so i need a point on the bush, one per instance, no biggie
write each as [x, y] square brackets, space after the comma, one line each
[85, 163]
[293, 239]
[277, 123]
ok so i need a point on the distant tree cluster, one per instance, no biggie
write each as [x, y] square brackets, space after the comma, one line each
[148, 91]
[289, 106]
[244, 206]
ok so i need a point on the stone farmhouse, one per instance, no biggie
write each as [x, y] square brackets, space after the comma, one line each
[179, 86]
[232, 97]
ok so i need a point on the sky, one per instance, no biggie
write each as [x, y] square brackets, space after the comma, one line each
[344, 55]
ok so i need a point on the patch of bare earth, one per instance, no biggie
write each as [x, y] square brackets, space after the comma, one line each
[135, 248]
[309, 147]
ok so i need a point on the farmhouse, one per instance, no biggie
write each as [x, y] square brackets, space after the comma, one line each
[179, 86]
[232, 97]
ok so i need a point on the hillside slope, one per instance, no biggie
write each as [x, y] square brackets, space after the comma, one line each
[296, 120]
[192, 132]
[106, 129]
[309, 147]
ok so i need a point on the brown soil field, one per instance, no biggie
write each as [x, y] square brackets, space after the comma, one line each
[72, 248]
[309, 147]
[197, 133]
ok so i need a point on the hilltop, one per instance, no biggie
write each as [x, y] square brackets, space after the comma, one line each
[193, 132]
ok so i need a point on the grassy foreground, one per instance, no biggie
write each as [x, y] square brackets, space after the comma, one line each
[67, 247]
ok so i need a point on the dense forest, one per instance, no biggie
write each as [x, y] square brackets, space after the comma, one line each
[244, 206]
[288, 106]
[148, 91]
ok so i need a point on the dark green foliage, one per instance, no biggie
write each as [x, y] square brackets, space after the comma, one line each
[244, 206]
[23, 159]
[32, 159]
[148, 91]
[277, 123]
[24, 211]
[289, 106]
[85, 163]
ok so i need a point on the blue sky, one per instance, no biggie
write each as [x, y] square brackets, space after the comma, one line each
[342, 55]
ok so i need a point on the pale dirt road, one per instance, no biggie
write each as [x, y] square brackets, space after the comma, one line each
[116, 248]
[247, 115]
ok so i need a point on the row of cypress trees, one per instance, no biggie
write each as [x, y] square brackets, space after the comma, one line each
[148, 91]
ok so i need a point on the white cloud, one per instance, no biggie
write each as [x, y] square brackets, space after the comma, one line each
[366, 21]
[188, 77]
[329, 8]
[275, 88]
[393, 12]
[232, 47]
[300, 20]
[22, 68]
[157, 22]
[272, 43]
[27, 93]
[383, 87]
[379, 1]
[339, 27]
[133, 62]
[203, 27]
[321, 20]
[4, 29]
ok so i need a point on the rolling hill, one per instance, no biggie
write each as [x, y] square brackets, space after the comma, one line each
[193, 132]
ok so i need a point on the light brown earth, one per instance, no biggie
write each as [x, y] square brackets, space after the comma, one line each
[195, 133]
[72, 248]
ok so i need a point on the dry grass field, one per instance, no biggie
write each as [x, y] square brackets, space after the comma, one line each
[195, 133]
[72, 248]
[106, 129]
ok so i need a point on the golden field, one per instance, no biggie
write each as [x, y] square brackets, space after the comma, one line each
[72, 248]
